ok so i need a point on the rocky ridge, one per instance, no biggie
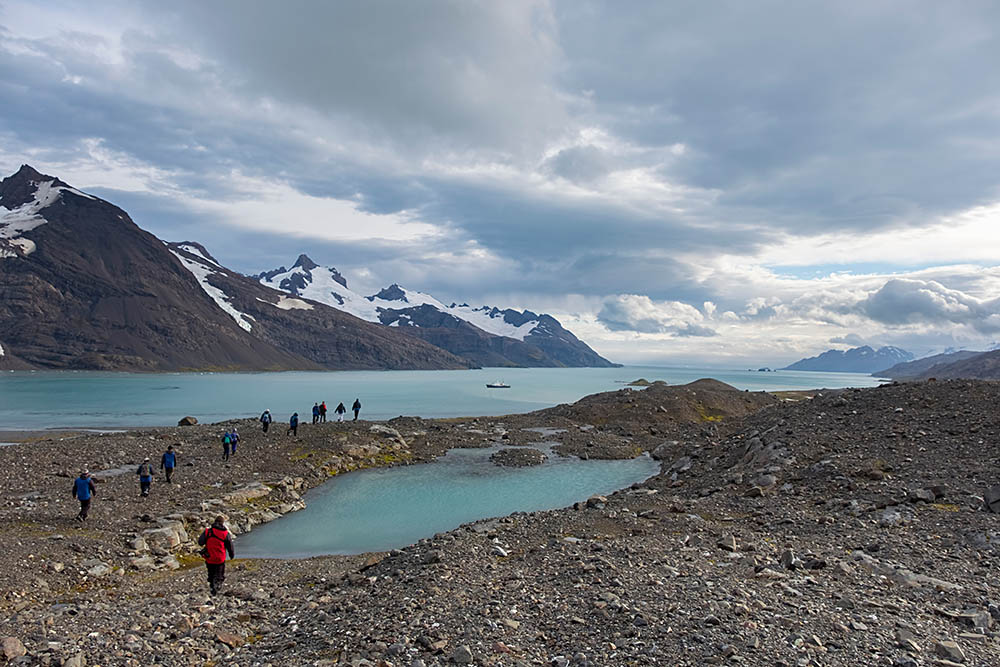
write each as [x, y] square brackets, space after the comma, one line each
[852, 528]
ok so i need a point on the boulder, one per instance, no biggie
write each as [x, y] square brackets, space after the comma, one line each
[12, 648]
[388, 431]
[246, 494]
[992, 499]
[664, 450]
[187, 421]
[167, 536]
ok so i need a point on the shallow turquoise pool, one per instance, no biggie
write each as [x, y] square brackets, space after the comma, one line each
[377, 510]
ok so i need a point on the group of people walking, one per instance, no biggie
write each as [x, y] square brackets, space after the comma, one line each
[216, 540]
[318, 416]
[84, 490]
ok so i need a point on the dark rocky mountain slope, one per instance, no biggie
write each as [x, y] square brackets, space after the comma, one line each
[82, 286]
[980, 366]
[925, 367]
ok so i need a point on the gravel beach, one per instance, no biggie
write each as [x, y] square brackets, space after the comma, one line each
[851, 528]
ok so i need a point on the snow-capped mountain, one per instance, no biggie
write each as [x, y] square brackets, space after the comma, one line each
[82, 286]
[862, 359]
[528, 339]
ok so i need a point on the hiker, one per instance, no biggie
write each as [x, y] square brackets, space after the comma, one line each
[340, 410]
[293, 425]
[357, 408]
[168, 462]
[217, 544]
[265, 420]
[315, 412]
[145, 473]
[83, 489]
[322, 412]
[227, 442]
[234, 439]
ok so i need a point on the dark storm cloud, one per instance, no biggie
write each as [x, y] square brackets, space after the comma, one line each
[855, 114]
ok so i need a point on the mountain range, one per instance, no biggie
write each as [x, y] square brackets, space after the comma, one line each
[82, 286]
[862, 359]
[485, 335]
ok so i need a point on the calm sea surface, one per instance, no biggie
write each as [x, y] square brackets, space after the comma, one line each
[83, 399]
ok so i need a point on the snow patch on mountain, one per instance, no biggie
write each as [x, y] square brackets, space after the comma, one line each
[199, 250]
[201, 272]
[15, 222]
[492, 321]
[327, 285]
[285, 303]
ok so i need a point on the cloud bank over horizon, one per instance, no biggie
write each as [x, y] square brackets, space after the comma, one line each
[727, 184]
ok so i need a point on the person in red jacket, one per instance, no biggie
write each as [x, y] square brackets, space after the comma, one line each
[217, 543]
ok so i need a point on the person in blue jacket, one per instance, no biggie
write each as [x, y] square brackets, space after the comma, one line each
[84, 490]
[265, 420]
[315, 412]
[234, 439]
[293, 425]
[145, 473]
[168, 462]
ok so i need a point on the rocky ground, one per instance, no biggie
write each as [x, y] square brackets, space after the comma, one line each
[849, 529]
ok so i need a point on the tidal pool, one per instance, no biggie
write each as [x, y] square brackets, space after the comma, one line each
[382, 509]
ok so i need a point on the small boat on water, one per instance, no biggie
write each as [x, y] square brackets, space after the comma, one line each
[499, 384]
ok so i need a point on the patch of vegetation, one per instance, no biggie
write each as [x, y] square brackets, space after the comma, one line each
[706, 415]
[188, 560]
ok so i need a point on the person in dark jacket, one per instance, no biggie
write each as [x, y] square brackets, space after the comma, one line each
[315, 412]
[293, 425]
[357, 408]
[84, 490]
[227, 443]
[218, 544]
[168, 462]
[145, 473]
[340, 410]
[265, 420]
[322, 411]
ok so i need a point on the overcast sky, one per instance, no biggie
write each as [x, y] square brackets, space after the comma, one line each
[723, 183]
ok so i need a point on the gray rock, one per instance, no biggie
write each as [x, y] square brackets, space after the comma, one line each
[949, 650]
[992, 499]
[683, 464]
[462, 655]
[12, 648]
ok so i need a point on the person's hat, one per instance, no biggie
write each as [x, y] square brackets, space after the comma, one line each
[146, 459]
[84, 472]
[170, 446]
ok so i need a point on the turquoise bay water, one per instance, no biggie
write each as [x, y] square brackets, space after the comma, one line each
[82, 399]
[378, 510]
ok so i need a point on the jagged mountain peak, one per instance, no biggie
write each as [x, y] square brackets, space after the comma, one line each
[391, 293]
[304, 263]
[22, 186]
[195, 248]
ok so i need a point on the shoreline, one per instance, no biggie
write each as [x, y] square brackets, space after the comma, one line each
[774, 531]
